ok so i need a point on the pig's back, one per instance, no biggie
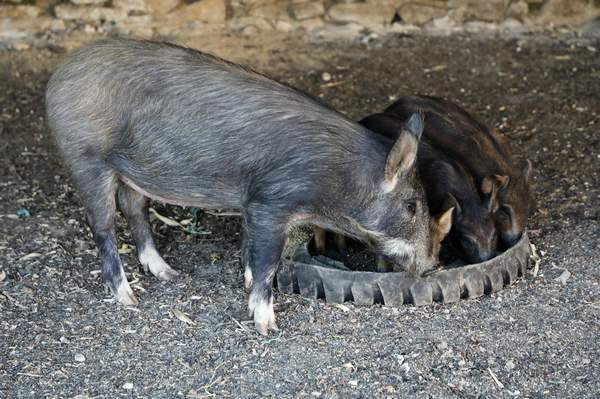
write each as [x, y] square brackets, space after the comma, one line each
[456, 131]
[162, 113]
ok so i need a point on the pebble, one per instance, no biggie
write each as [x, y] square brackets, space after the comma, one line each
[79, 358]
[510, 365]
[326, 76]
[128, 386]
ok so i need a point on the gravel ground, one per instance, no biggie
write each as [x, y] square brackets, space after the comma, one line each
[63, 336]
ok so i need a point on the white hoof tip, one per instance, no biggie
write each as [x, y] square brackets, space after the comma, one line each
[167, 274]
[125, 295]
[262, 328]
[128, 300]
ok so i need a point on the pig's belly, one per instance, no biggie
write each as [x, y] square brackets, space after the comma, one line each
[197, 195]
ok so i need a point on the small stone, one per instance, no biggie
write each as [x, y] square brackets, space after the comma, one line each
[20, 28]
[420, 14]
[272, 10]
[353, 383]
[326, 76]
[565, 12]
[308, 10]
[366, 14]
[518, 11]
[476, 10]
[283, 26]
[79, 358]
[591, 29]
[510, 365]
[311, 24]
[21, 46]
[89, 13]
[162, 6]
[564, 276]
[250, 30]
[128, 386]
[209, 11]
[130, 5]
[442, 346]
[342, 31]
[88, 2]
[157, 7]
[19, 11]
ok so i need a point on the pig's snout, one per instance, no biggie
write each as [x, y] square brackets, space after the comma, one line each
[399, 253]
[485, 255]
[509, 239]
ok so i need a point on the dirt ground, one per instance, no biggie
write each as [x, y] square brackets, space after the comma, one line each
[63, 336]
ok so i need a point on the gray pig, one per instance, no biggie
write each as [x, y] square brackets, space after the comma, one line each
[143, 120]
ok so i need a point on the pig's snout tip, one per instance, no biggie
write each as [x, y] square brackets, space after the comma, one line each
[485, 256]
[510, 239]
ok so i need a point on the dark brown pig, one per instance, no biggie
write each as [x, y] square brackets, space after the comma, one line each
[449, 185]
[484, 152]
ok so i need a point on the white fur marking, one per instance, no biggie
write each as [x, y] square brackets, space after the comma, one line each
[248, 279]
[151, 259]
[264, 315]
[397, 247]
[124, 293]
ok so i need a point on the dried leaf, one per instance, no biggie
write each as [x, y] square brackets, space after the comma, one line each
[436, 68]
[500, 385]
[125, 249]
[31, 256]
[183, 317]
[536, 260]
[343, 308]
[564, 57]
[165, 220]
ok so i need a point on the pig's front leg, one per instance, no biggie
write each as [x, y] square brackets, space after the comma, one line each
[265, 239]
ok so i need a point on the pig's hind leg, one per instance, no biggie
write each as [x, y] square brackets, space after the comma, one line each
[97, 186]
[265, 239]
[135, 209]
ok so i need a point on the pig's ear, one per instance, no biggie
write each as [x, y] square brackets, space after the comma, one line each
[492, 183]
[452, 203]
[527, 170]
[403, 154]
[415, 124]
[491, 202]
[443, 223]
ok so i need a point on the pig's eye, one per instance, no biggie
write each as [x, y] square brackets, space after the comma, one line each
[411, 207]
[505, 211]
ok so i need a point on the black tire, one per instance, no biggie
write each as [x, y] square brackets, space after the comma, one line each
[394, 289]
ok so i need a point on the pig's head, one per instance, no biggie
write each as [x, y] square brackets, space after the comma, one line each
[514, 202]
[394, 219]
[473, 233]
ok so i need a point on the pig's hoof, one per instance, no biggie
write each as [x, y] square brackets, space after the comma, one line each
[152, 261]
[264, 316]
[126, 295]
[166, 274]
